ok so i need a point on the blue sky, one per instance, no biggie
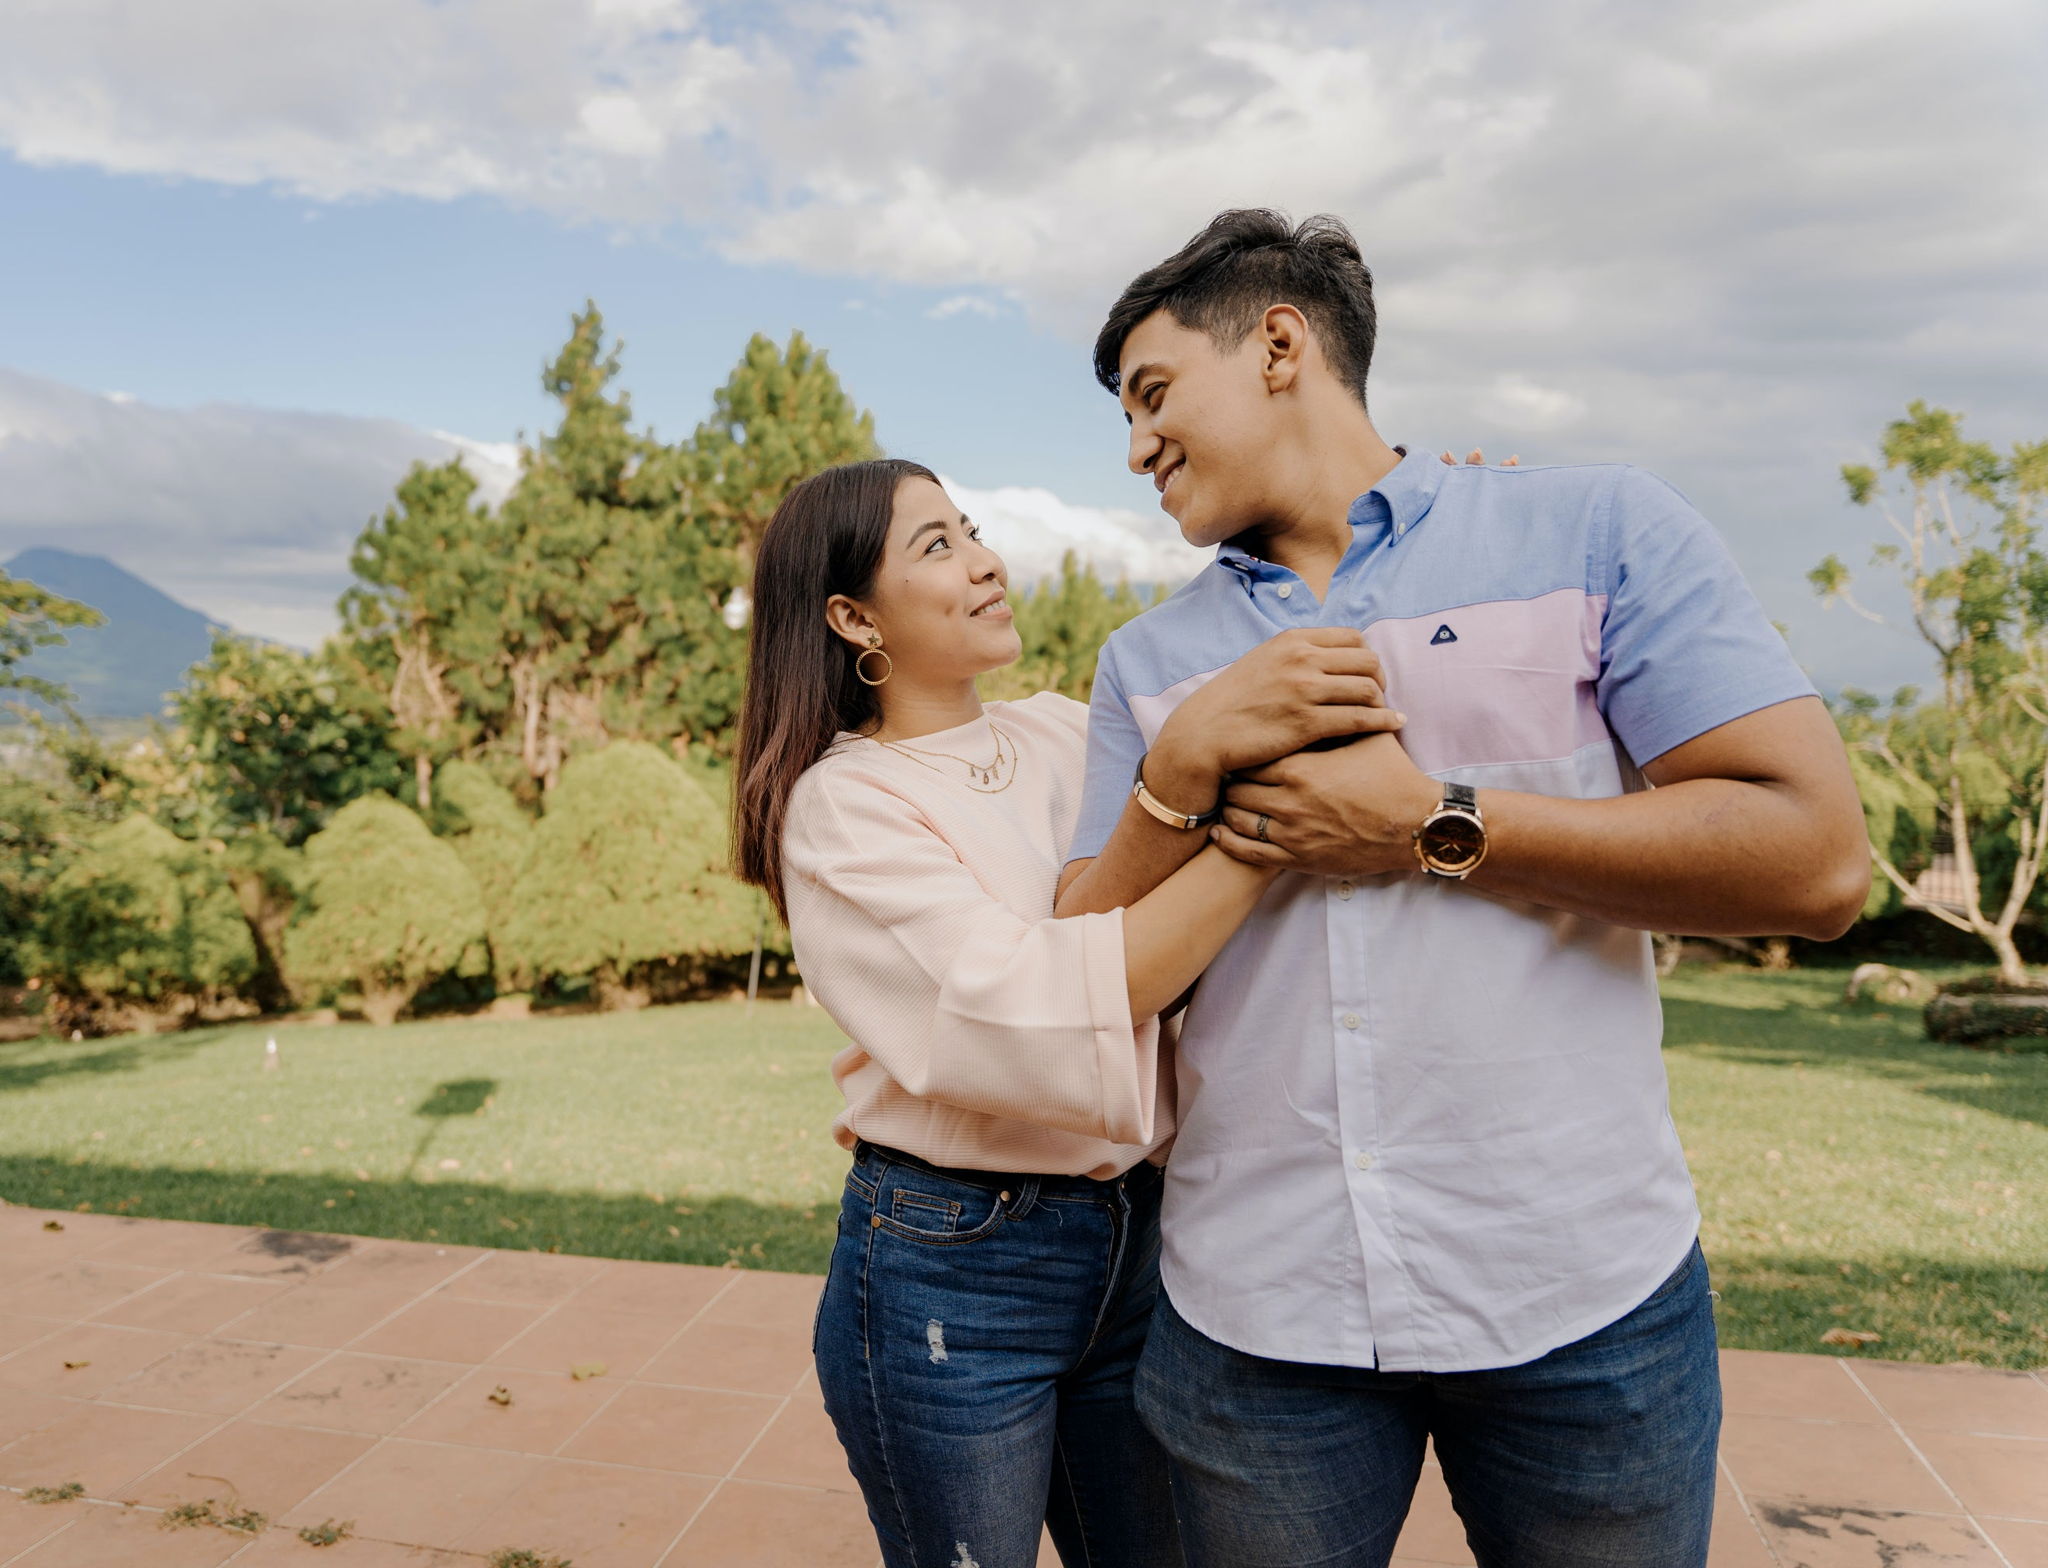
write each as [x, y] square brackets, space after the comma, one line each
[306, 245]
[440, 313]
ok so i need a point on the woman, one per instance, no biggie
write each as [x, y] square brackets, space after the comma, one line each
[1008, 1089]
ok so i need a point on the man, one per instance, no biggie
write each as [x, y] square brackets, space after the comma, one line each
[1427, 1183]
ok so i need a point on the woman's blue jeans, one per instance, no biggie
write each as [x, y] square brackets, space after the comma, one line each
[977, 1341]
[1598, 1455]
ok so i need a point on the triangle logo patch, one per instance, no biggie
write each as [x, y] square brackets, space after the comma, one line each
[1443, 635]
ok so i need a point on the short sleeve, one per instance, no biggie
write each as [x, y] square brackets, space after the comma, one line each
[1684, 645]
[1114, 746]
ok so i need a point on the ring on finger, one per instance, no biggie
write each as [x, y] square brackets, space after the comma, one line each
[1264, 823]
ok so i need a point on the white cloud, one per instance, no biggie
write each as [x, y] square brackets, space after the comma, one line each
[1032, 528]
[1728, 238]
[246, 514]
[964, 305]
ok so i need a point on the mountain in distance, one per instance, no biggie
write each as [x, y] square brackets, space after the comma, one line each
[124, 667]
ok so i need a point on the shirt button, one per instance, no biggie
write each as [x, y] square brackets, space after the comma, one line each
[1351, 1020]
[1287, 590]
[1345, 890]
[1362, 1161]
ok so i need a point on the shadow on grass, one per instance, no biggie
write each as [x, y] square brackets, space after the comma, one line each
[715, 1230]
[1884, 1043]
[24, 1064]
[1923, 1310]
[459, 1097]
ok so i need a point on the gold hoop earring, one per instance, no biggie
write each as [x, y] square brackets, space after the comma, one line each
[874, 646]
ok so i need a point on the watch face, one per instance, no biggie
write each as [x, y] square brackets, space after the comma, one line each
[1453, 840]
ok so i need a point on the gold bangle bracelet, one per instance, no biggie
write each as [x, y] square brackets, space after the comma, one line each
[1181, 820]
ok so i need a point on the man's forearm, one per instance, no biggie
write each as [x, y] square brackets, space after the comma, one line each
[1702, 857]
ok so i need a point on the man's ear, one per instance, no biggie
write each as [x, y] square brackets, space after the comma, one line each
[849, 620]
[1283, 338]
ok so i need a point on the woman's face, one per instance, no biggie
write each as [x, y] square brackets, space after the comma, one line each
[938, 601]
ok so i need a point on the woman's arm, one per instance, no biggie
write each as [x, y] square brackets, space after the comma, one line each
[1173, 933]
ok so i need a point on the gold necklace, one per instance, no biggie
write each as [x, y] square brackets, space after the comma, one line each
[981, 776]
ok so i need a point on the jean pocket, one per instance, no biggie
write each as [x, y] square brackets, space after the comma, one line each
[937, 1220]
[922, 1211]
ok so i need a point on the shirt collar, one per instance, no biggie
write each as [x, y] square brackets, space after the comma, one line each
[1400, 500]
[1404, 496]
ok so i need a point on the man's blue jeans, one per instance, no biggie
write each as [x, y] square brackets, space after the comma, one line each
[977, 1341]
[1597, 1455]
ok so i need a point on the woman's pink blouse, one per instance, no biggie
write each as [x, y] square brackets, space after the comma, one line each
[985, 1033]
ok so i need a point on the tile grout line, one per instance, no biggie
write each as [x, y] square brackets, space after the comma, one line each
[308, 1371]
[746, 1453]
[1941, 1480]
[624, 1383]
[1748, 1513]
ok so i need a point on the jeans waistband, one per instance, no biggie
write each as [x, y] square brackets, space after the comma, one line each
[865, 1153]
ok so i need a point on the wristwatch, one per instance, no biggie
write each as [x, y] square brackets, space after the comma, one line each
[1452, 839]
[1165, 813]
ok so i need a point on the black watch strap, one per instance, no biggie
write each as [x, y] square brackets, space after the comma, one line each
[1461, 797]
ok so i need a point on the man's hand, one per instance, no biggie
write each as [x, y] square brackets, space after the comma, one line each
[1352, 812]
[1304, 686]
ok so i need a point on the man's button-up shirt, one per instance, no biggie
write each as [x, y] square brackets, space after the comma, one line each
[1424, 1127]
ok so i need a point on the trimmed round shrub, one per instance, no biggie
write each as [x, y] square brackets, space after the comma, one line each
[479, 818]
[626, 883]
[385, 909]
[140, 930]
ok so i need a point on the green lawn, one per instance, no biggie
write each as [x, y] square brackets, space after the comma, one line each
[1851, 1173]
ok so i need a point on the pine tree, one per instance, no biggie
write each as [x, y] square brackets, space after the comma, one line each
[780, 417]
[32, 618]
[420, 609]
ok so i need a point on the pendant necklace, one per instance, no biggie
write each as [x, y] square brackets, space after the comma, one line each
[984, 778]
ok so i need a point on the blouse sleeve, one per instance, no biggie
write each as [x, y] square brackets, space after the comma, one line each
[959, 999]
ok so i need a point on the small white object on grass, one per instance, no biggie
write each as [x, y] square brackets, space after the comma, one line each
[270, 1054]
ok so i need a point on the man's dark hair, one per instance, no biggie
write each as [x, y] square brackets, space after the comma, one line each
[1246, 261]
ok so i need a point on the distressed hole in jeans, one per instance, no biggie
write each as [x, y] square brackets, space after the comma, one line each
[935, 1339]
[962, 1557]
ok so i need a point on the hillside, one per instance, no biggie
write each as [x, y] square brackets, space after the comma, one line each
[121, 669]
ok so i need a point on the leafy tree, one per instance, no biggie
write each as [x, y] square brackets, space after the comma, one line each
[485, 825]
[42, 824]
[1966, 546]
[780, 417]
[421, 606]
[612, 605]
[1063, 623]
[626, 880]
[32, 618]
[386, 908]
[275, 741]
[140, 927]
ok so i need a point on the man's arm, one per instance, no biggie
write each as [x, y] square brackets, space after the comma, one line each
[1290, 691]
[1754, 829]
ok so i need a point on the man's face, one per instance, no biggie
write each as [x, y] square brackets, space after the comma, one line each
[1200, 425]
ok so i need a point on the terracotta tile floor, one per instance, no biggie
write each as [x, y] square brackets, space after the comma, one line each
[324, 1377]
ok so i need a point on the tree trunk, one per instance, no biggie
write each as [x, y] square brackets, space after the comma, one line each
[2010, 969]
[423, 782]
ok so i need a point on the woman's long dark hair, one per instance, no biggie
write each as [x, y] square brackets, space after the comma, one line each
[826, 537]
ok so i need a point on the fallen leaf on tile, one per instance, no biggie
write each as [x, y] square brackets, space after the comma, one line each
[588, 1369]
[1856, 1338]
[501, 1395]
[53, 1224]
[73, 1366]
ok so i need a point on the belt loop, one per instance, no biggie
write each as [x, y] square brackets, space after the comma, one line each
[1026, 1199]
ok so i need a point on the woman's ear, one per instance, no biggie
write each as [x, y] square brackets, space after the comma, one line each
[849, 620]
